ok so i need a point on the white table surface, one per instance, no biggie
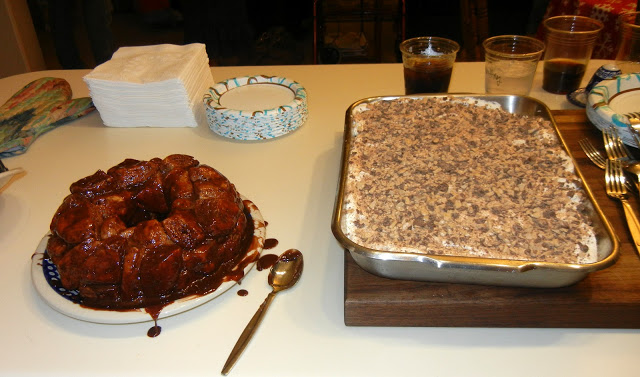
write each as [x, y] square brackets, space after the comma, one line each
[293, 180]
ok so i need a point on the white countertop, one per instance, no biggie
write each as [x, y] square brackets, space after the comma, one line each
[292, 179]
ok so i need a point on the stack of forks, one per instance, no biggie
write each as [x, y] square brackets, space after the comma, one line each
[617, 162]
[615, 151]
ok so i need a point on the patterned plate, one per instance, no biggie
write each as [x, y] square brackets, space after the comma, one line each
[256, 107]
[610, 99]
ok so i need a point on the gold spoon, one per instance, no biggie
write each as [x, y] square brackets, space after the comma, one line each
[284, 274]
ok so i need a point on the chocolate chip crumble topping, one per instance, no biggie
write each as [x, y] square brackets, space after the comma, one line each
[441, 176]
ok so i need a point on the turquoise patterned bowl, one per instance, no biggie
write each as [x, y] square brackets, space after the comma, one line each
[609, 100]
[256, 107]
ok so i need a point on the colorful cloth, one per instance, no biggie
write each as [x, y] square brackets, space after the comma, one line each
[606, 11]
[39, 107]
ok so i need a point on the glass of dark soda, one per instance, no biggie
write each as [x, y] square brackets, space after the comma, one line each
[428, 63]
[570, 41]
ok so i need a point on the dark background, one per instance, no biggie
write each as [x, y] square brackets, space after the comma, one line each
[252, 32]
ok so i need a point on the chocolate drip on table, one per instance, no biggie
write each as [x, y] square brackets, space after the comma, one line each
[155, 330]
[154, 312]
[270, 243]
[266, 261]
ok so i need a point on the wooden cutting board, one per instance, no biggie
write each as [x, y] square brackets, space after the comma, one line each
[605, 299]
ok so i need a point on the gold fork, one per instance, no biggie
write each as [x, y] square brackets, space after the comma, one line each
[592, 153]
[635, 131]
[600, 160]
[634, 118]
[618, 151]
[615, 185]
[613, 144]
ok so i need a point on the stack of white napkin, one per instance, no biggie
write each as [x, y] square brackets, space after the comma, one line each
[156, 86]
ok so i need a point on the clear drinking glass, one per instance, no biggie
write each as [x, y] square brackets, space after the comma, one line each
[628, 57]
[510, 63]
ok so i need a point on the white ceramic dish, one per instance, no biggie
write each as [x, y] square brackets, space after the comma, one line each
[610, 99]
[7, 175]
[256, 107]
[44, 276]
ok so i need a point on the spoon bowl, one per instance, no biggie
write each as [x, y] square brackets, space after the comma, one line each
[284, 274]
[286, 271]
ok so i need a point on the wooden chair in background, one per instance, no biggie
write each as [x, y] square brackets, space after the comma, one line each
[373, 13]
[475, 29]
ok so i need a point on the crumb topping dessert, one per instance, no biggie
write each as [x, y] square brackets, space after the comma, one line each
[448, 177]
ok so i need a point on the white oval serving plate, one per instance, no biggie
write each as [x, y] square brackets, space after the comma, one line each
[6, 176]
[45, 278]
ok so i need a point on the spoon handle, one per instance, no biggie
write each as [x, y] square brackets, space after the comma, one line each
[247, 334]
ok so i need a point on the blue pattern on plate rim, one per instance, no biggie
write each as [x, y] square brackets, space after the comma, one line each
[52, 276]
[260, 124]
[603, 116]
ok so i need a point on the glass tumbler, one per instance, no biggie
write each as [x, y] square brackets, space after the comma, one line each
[628, 56]
[510, 63]
[570, 41]
[428, 63]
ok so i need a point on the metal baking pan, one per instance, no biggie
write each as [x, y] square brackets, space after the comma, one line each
[475, 270]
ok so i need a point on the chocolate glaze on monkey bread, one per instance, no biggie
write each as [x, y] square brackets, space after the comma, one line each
[146, 233]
